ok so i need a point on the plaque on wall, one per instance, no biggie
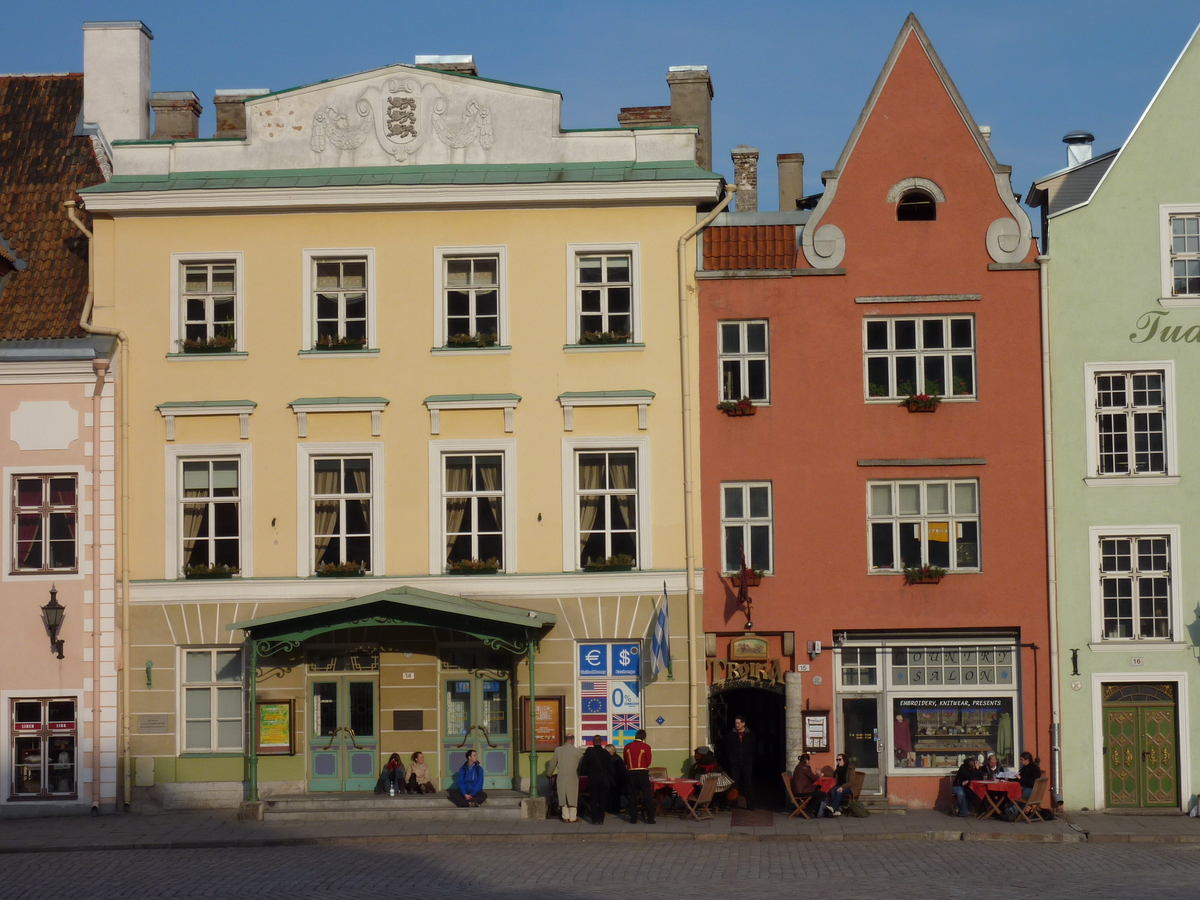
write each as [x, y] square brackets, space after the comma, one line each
[748, 648]
[549, 723]
[816, 730]
[273, 724]
[408, 720]
[154, 723]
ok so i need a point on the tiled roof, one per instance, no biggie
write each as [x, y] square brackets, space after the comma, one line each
[527, 173]
[750, 247]
[42, 164]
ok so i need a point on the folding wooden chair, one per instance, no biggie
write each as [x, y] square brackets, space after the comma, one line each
[700, 807]
[854, 786]
[1029, 810]
[799, 802]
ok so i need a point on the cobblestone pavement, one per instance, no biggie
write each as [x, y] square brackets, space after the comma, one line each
[697, 871]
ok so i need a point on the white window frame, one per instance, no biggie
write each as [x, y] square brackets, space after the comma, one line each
[181, 702]
[1168, 298]
[574, 251]
[506, 447]
[742, 357]
[920, 353]
[83, 536]
[1178, 597]
[1090, 371]
[87, 747]
[310, 258]
[178, 261]
[897, 519]
[174, 458]
[746, 521]
[304, 514]
[570, 501]
[440, 255]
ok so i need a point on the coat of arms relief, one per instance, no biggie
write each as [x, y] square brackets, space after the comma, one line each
[402, 114]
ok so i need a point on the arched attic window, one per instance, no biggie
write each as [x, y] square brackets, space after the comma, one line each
[916, 205]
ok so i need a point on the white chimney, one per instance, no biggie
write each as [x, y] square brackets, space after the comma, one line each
[116, 78]
[1079, 147]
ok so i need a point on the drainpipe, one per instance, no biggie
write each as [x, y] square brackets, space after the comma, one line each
[100, 367]
[1051, 561]
[123, 548]
[685, 400]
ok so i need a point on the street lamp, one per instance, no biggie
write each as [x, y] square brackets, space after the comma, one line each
[52, 615]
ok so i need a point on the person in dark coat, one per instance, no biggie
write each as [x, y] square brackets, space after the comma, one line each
[968, 771]
[740, 745]
[597, 767]
[1029, 773]
[621, 787]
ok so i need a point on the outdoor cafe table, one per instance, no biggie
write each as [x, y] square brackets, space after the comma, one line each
[684, 787]
[826, 783]
[995, 794]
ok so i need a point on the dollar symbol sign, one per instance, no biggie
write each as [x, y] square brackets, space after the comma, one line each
[624, 657]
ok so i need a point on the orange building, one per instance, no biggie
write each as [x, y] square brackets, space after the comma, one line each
[879, 460]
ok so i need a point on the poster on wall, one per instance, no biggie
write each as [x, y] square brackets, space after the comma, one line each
[548, 724]
[274, 726]
[816, 730]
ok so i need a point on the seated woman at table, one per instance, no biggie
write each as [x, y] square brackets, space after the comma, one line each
[804, 781]
[842, 775]
[990, 770]
[705, 766]
[1029, 773]
[968, 771]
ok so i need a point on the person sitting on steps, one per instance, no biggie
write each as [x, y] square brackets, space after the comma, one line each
[418, 776]
[468, 789]
[393, 771]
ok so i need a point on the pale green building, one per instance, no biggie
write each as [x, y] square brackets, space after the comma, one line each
[1122, 284]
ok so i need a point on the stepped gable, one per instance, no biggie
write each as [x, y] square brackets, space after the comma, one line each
[44, 160]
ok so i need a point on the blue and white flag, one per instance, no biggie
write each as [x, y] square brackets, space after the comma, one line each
[660, 643]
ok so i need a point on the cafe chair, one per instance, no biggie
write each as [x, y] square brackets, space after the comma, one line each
[700, 808]
[799, 802]
[854, 786]
[659, 772]
[1029, 810]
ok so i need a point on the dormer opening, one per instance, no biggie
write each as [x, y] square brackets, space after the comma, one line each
[916, 205]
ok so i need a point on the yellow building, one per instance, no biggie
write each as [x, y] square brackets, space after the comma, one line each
[404, 406]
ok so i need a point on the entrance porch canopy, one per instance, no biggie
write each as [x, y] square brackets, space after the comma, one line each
[501, 627]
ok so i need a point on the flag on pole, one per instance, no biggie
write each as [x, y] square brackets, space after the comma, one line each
[660, 643]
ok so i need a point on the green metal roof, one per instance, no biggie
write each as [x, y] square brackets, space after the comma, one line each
[524, 173]
[205, 404]
[456, 398]
[580, 395]
[514, 626]
[336, 401]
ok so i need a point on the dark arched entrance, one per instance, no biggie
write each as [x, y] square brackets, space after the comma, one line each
[763, 709]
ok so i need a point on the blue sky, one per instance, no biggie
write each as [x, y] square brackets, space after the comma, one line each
[788, 76]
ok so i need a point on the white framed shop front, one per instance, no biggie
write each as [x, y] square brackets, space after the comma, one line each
[919, 706]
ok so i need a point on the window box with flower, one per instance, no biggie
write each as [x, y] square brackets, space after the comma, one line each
[924, 575]
[329, 343]
[206, 571]
[926, 400]
[216, 344]
[489, 566]
[753, 577]
[743, 407]
[622, 562]
[341, 570]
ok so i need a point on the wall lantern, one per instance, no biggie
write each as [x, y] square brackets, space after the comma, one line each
[52, 615]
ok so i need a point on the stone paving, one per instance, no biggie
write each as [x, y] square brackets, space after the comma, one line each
[577, 870]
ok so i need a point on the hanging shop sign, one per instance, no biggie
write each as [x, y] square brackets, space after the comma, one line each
[767, 671]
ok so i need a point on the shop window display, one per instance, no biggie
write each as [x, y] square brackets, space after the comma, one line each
[43, 749]
[942, 732]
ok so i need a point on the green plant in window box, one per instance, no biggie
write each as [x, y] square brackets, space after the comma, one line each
[926, 400]
[753, 577]
[218, 343]
[961, 387]
[743, 407]
[622, 562]
[218, 570]
[341, 570]
[489, 566]
[471, 340]
[923, 574]
[876, 390]
[329, 342]
[604, 337]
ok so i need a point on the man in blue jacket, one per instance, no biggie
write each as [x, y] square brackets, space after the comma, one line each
[468, 789]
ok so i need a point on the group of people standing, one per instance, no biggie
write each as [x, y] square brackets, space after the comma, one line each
[609, 778]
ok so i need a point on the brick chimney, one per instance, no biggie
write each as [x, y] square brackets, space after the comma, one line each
[691, 104]
[791, 180]
[116, 79]
[643, 116]
[745, 176]
[231, 111]
[176, 114]
[458, 65]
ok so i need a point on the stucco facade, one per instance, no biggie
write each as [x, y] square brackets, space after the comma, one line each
[857, 492]
[1123, 461]
[570, 429]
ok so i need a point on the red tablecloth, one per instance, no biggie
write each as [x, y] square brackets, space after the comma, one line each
[684, 787]
[1012, 789]
[826, 784]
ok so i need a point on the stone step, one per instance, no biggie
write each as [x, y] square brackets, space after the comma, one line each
[882, 806]
[500, 805]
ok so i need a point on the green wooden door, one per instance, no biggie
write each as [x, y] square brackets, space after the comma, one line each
[1141, 766]
[343, 742]
[477, 716]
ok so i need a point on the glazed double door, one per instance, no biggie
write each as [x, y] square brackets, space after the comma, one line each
[343, 740]
[1141, 763]
[476, 716]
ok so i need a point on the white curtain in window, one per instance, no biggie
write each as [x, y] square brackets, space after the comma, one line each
[458, 479]
[325, 513]
[591, 478]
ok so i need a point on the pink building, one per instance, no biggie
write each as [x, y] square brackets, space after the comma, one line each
[57, 451]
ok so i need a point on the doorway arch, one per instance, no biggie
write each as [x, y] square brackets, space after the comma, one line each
[762, 706]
